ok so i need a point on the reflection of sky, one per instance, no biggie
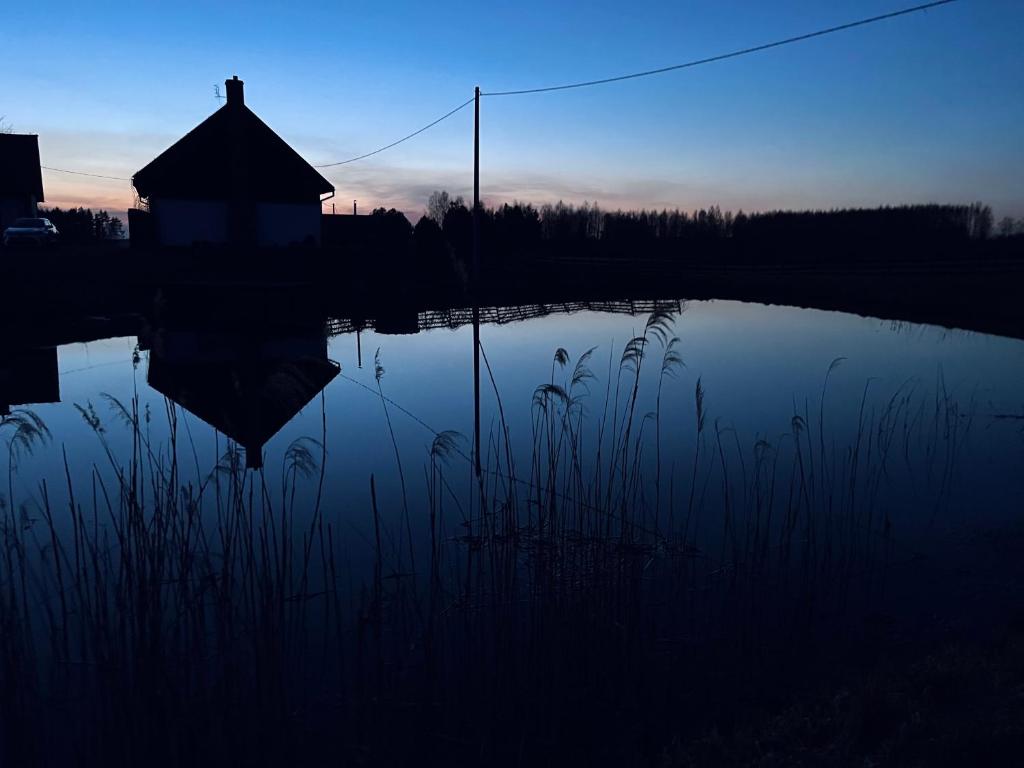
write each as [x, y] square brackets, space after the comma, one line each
[754, 362]
[924, 108]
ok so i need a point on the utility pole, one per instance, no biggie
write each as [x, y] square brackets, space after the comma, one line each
[476, 278]
[354, 211]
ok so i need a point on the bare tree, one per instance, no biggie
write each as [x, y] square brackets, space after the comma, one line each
[437, 205]
[980, 220]
[5, 127]
[1007, 226]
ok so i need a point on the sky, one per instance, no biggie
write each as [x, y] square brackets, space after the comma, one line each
[923, 108]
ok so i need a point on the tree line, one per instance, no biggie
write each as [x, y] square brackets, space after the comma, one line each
[512, 231]
[565, 221]
[514, 236]
[83, 225]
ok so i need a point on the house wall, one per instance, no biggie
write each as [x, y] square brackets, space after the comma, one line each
[287, 223]
[184, 222]
[12, 208]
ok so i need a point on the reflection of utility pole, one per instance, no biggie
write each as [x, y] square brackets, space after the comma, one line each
[476, 279]
[359, 348]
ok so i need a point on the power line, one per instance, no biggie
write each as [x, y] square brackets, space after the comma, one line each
[83, 173]
[731, 55]
[602, 81]
[445, 116]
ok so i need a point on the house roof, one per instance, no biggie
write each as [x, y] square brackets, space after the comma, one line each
[19, 166]
[230, 154]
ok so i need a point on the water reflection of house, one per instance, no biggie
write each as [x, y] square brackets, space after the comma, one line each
[231, 179]
[21, 180]
[246, 386]
[28, 376]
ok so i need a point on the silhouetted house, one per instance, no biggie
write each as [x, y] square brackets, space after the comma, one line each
[21, 180]
[246, 386]
[231, 179]
[28, 376]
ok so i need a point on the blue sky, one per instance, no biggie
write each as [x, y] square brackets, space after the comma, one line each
[928, 107]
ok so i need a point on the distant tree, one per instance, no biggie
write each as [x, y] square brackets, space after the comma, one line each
[458, 227]
[82, 225]
[1007, 226]
[74, 224]
[427, 229]
[5, 127]
[100, 223]
[738, 223]
[107, 227]
[437, 205]
[516, 225]
[430, 246]
[981, 221]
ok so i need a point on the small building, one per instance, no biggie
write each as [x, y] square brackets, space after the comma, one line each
[21, 179]
[230, 180]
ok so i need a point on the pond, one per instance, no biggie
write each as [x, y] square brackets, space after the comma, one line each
[758, 366]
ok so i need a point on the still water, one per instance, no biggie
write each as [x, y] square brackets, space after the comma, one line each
[758, 366]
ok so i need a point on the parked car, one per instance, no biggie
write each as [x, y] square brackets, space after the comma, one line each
[31, 232]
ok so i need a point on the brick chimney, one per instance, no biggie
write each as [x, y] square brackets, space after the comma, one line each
[234, 91]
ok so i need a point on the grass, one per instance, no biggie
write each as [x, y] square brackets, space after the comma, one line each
[614, 604]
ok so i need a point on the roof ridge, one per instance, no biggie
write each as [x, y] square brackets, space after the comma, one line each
[196, 165]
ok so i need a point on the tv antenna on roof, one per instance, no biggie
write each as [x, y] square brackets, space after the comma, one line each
[216, 92]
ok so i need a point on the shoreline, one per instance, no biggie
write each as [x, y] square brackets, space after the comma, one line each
[979, 294]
